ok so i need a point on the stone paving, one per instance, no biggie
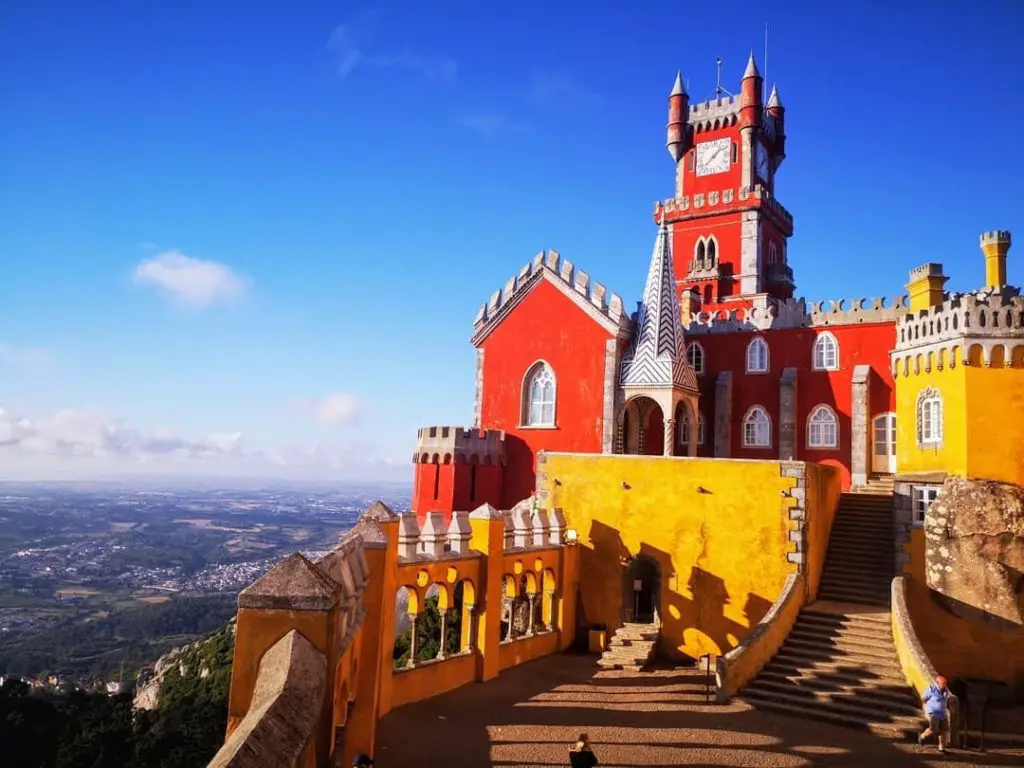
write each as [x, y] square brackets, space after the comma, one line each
[530, 715]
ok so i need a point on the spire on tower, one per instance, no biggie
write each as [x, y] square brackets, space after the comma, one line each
[773, 98]
[657, 356]
[751, 70]
[677, 88]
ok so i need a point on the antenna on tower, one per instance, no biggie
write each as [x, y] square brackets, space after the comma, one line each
[719, 90]
[764, 82]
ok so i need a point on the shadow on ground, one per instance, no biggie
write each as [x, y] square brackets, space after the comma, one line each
[529, 716]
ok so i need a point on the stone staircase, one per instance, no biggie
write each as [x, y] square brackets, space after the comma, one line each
[877, 485]
[839, 663]
[631, 647]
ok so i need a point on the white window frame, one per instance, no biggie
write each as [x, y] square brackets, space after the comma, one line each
[751, 422]
[758, 343]
[694, 355]
[546, 417]
[820, 352]
[929, 418]
[684, 429]
[922, 497]
[822, 416]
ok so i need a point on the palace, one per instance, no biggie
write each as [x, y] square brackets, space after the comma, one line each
[815, 498]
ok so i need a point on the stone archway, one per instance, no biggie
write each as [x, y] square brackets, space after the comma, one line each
[641, 590]
[642, 423]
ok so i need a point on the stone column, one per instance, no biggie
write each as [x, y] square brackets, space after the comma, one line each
[723, 415]
[788, 415]
[670, 438]
[691, 447]
[412, 642]
[467, 631]
[609, 429]
[444, 626]
[529, 621]
[860, 426]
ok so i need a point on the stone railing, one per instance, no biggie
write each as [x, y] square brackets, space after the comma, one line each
[743, 663]
[917, 668]
[279, 726]
[796, 313]
[759, 194]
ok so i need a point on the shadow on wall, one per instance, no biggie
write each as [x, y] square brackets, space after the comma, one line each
[691, 605]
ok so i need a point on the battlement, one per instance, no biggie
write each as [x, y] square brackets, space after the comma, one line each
[561, 272]
[744, 197]
[998, 236]
[436, 445]
[930, 269]
[772, 314]
[983, 314]
[714, 113]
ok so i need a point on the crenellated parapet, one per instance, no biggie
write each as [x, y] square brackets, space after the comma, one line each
[433, 540]
[768, 313]
[441, 445]
[593, 297]
[714, 113]
[981, 328]
[742, 198]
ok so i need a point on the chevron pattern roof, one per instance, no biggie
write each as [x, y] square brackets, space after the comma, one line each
[657, 355]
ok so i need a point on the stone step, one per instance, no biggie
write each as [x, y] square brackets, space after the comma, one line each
[862, 706]
[896, 701]
[866, 652]
[899, 728]
[840, 676]
[856, 616]
[870, 556]
[825, 663]
[846, 642]
[854, 597]
[866, 631]
[830, 584]
[853, 570]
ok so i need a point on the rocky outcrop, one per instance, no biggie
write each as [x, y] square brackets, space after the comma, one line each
[187, 660]
[974, 539]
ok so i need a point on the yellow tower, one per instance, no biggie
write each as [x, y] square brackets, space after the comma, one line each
[926, 286]
[995, 245]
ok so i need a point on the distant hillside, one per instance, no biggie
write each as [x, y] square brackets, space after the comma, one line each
[187, 690]
[97, 649]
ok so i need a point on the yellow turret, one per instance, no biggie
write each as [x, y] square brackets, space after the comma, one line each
[995, 245]
[925, 287]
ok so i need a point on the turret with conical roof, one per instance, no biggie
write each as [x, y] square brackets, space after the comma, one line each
[678, 108]
[777, 112]
[750, 94]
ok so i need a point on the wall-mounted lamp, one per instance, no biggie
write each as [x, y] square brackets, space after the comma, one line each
[626, 486]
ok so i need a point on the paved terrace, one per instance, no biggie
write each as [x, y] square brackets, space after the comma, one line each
[530, 715]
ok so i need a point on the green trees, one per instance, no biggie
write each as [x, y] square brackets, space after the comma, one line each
[428, 632]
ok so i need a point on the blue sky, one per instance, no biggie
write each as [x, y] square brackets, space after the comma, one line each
[257, 234]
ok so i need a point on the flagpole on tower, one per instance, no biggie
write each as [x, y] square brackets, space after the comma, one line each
[764, 82]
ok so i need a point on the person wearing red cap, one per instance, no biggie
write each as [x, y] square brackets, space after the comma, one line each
[936, 709]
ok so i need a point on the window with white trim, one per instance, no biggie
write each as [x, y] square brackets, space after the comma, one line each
[684, 429]
[695, 356]
[823, 428]
[757, 356]
[539, 402]
[757, 428]
[929, 418]
[825, 355]
[923, 496]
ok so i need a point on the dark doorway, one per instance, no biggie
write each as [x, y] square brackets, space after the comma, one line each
[641, 590]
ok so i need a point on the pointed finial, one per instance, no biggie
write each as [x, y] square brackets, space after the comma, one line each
[677, 88]
[773, 98]
[751, 70]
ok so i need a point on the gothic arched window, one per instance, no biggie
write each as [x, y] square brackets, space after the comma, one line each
[698, 253]
[929, 418]
[823, 428]
[825, 356]
[712, 252]
[773, 253]
[695, 356]
[539, 396]
[757, 355]
[685, 427]
[757, 428]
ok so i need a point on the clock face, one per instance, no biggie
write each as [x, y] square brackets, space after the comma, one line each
[713, 157]
[762, 161]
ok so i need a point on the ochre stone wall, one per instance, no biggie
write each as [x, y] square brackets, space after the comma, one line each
[951, 455]
[995, 417]
[718, 529]
[823, 488]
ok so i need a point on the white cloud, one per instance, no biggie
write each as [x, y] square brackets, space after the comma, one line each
[351, 44]
[557, 89]
[26, 356]
[85, 444]
[492, 124]
[331, 410]
[193, 282]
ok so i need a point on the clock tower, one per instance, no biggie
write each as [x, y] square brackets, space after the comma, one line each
[730, 233]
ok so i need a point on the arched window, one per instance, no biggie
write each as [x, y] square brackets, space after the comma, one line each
[698, 253]
[757, 356]
[929, 418]
[695, 356]
[757, 428]
[773, 253]
[684, 429]
[712, 251]
[823, 428]
[825, 355]
[539, 396]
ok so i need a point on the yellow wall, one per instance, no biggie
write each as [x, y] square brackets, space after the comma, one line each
[951, 456]
[432, 679]
[527, 649]
[717, 528]
[914, 548]
[995, 417]
[822, 495]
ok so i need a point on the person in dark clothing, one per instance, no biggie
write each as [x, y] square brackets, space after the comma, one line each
[581, 755]
[362, 761]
